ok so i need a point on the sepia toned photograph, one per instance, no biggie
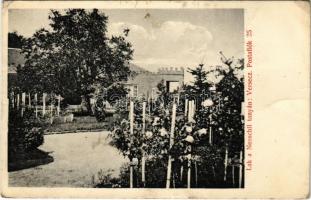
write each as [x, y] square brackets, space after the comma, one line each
[155, 99]
[126, 98]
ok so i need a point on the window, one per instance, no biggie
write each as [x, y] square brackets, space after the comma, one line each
[172, 86]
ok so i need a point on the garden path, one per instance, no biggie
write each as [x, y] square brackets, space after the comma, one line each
[77, 157]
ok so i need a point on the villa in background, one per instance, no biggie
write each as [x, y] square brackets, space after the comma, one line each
[144, 83]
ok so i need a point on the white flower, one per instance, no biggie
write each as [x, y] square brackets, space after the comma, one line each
[226, 99]
[189, 139]
[189, 129]
[192, 121]
[202, 131]
[212, 88]
[220, 129]
[124, 121]
[163, 151]
[188, 156]
[156, 121]
[233, 86]
[207, 103]
[149, 134]
[134, 161]
[163, 132]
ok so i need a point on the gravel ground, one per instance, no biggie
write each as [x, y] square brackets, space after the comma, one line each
[77, 157]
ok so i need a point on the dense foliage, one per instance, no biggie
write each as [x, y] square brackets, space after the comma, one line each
[75, 56]
[208, 143]
[108, 97]
[25, 132]
[15, 40]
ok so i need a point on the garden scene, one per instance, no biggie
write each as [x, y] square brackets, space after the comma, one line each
[82, 113]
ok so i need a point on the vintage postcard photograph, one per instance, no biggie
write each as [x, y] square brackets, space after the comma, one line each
[106, 97]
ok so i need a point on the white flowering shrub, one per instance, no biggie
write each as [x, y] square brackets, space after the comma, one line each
[200, 143]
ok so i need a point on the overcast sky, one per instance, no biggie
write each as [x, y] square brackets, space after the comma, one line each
[163, 38]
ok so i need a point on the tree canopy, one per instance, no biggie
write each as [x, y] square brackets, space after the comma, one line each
[15, 40]
[75, 56]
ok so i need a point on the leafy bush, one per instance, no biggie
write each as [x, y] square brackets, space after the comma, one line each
[107, 100]
[100, 112]
[104, 179]
[25, 132]
[206, 145]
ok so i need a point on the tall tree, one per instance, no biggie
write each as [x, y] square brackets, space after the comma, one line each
[201, 87]
[76, 56]
[15, 40]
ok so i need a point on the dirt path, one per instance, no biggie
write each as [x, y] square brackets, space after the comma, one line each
[77, 156]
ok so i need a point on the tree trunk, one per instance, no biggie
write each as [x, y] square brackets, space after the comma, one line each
[87, 103]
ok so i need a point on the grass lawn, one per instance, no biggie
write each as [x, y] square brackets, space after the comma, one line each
[77, 158]
[81, 123]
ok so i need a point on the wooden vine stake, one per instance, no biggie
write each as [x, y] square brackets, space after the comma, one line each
[13, 99]
[186, 107]
[36, 105]
[226, 164]
[186, 115]
[23, 102]
[189, 110]
[181, 172]
[51, 111]
[189, 170]
[58, 105]
[43, 102]
[210, 130]
[169, 165]
[190, 118]
[240, 169]
[196, 173]
[131, 136]
[17, 103]
[143, 163]
[233, 176]
[29, 100]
